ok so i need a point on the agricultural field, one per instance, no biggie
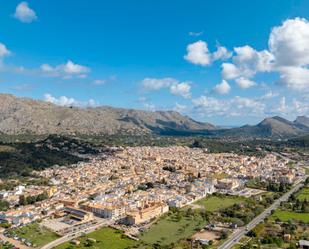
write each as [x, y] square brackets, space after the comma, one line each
[173, 227]
[215, 203]
[104, 238]
[285, 216]
[303, 194]
[35, 234]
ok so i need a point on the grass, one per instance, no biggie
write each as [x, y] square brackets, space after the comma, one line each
[303, 194]
[167, 230]
[289, 215]
[106, 238]
[215, 203]
[36, 234]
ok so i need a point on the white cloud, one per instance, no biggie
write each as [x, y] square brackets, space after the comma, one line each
[296, 78]
[156, 84]
[270, 94]
[67, 102]
[99, 82]
[196, 34]
[222, 88]
[177, 88]
[229, 71]
[290, 42]
[246, 63]
[236, 106]
[290, 45]
[66, 70]
[249, 61]
[180, 108]
[181, 89]
[221, 54]
[24, 13]
[210, 106]
[244, 83]
[198, 53]
[72, 68]
[4, 51]
[47, 68]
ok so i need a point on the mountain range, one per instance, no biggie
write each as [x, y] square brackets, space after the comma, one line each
[28, 116]
[24, 115]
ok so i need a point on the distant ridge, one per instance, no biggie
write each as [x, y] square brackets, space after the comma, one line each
[276, 127]
[27, 116]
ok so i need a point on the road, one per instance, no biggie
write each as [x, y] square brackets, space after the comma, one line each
[77, 234]
[237, 235]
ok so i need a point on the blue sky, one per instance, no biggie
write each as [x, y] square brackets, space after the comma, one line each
[225, 62]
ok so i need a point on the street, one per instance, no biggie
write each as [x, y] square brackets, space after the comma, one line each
[237, 235]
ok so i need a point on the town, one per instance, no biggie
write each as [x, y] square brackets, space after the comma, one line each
[128, 188]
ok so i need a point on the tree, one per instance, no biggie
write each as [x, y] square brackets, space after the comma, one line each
[22, 200]
[4, 205]
[224, 234]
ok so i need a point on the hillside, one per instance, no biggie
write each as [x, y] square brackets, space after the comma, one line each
[275, 127]
[27, 116]
[302, 122]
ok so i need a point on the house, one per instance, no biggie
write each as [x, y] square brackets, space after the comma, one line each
[78, 214]
[146, 214]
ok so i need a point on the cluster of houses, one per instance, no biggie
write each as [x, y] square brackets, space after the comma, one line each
[136, 184]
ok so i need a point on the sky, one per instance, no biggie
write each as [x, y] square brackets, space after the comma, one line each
[224, 62]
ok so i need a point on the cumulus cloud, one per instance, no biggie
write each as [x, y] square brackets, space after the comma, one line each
[296, 78]
[182, 89]
[156, 84]
[287, 55]
[4, 51]
[222, 88]
[229, 71]
[270, 94]
[236, 106]
[290, 42]
[244, 83]
[24, 13]
[248, 61]
[198, 53]
[67, 102]
[221, 54]
[66, 70]
[290, 45]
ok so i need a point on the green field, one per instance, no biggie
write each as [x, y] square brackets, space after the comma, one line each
[106, 238]
[303, 194]
[167, 230]
[289, 215]
[215, 203]
[36, 234]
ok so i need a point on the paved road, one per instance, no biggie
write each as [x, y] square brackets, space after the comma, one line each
[77, 234]
[237, 235]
